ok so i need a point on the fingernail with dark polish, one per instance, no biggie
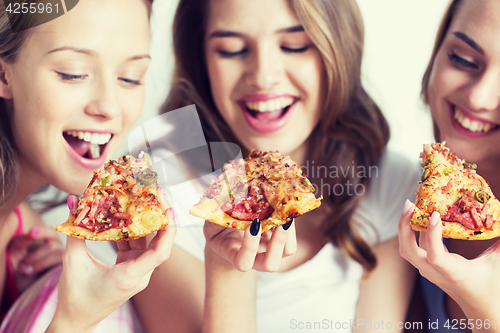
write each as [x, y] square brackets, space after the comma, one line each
[255, 227]
[287, 225]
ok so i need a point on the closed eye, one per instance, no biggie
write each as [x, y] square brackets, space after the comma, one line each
[225, 54]
[71, 77]
[295, 50]
[461, 61]
[130, 81]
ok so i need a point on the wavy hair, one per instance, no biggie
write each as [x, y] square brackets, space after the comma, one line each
[352, 132]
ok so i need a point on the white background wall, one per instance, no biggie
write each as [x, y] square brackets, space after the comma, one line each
[399, 36]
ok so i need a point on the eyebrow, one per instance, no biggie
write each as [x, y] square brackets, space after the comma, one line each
[469, 41]
[93, 53]
[228, 33]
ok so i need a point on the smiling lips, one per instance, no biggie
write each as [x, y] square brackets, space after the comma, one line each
[470, 125]
[87, 148]
[267, 113]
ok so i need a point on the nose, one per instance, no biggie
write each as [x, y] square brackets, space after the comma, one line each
[104, 104]
[483, 94]
[265, 68]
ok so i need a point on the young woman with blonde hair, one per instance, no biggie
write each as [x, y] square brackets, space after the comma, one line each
[79, 73]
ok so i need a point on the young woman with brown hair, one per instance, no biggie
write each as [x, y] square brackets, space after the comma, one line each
[461, 85]
[285, 75]
[79, 73]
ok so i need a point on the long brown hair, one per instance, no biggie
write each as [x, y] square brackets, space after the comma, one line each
[352, 132]
[10, 45]
[443, 29]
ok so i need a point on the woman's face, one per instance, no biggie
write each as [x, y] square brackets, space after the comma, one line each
[464, 86]
[265, 73]
[77, 88]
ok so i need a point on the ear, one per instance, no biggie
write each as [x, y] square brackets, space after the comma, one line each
[5, 88]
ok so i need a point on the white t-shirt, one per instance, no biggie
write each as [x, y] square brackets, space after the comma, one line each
[321, 294]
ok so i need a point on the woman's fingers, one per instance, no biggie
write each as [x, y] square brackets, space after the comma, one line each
[408, 247]
[157, 252]
[434, 242]
[244, 258]
[42, 258]
[291, 242]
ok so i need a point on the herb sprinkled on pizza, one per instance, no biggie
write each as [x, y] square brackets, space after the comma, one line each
[266, 185]
[120, 203]
[452, 187]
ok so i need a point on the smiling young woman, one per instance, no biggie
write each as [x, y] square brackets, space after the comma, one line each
[285, 75]
[70, 89]
[462, 87]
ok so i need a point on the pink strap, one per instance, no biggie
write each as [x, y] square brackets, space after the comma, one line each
[19, 229]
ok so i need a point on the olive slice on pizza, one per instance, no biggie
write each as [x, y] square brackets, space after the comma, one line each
[452, 187]
[267, 185]
[120, 203]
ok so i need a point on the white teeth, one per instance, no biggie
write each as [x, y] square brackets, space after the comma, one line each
[472, 125]
[465, 123]
[104, 138]
[94, 151]
[94, 138]
[269, 105]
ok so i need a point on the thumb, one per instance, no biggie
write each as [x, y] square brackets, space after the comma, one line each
[76, 249]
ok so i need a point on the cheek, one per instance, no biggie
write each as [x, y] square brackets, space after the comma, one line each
[224, 78]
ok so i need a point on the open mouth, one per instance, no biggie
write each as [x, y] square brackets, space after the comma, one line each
[471, 124]
[269, 110]
[87, 144]
[269, 115]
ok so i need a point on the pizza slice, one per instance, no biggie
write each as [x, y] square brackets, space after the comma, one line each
[452, 187]
[267, 185]
[120, 203]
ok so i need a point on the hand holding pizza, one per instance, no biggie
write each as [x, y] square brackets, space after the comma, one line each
[90, 290]
[471, 283]
[34, 253]
[250, 249]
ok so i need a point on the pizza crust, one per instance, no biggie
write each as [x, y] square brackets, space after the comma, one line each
[116, 205]
[420, 221]
[144, 224]
[283, 187]
[209, 209]
[445, 181]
